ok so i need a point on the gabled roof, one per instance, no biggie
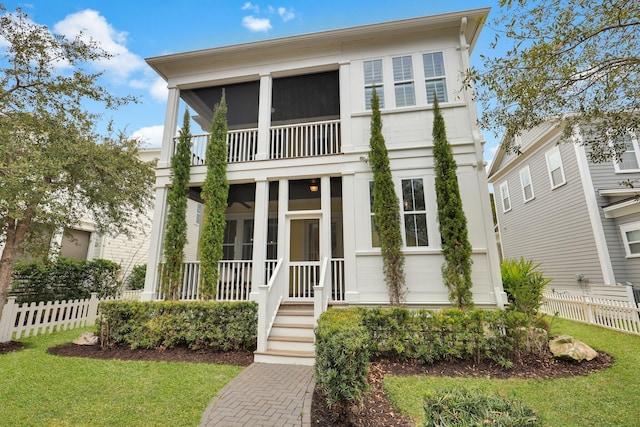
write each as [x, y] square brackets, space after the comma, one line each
[172, 65]
[528, 142]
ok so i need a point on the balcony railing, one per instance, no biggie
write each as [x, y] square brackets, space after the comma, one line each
[285, 142]
[305, 140]
[242, 146]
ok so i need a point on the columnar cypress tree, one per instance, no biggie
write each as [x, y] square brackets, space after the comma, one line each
[175, 237]
[214, 194]
[456, 249]
[386, 208]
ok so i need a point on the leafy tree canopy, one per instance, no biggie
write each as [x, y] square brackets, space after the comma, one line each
[54, 167]
[572, 59]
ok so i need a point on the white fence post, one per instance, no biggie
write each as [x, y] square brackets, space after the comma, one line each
[93, 309]
[8, 320]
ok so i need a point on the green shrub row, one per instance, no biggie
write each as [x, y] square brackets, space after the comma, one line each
[347, 339]
[464, 408]
[64, 279]
[221, 326]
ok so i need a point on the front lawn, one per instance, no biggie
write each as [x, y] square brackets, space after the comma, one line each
[605, 398]
[39, 389]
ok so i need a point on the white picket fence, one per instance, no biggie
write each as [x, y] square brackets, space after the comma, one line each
[30, 319]
[612, 314]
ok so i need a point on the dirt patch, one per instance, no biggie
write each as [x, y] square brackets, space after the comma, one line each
[176, 354]
[7, 347]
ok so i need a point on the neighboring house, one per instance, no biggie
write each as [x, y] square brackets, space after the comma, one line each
[571, 215]
[83, 242]
[299, 213]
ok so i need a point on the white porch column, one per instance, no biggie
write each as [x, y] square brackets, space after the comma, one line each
[283, 207]
[260, 227]
[170, 126]
[345, 107]
[264, 117]
[349, 236]
[155, 244]
[325, 203]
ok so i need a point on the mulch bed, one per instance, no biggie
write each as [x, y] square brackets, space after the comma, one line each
[376, 409]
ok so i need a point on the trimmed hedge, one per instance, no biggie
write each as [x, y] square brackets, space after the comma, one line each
[342, 358]
[222, 326]
[464, 408]
[64, 279]
[347, 339]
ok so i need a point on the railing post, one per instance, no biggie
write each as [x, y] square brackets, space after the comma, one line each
[8, 319]
[589, 309]
[262, 318]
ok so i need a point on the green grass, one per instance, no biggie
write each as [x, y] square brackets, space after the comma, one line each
[609, 397]
[39, 389]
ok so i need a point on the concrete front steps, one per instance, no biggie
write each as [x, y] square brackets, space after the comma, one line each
[292, 337]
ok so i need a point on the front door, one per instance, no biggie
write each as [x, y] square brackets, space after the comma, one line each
[304, 257]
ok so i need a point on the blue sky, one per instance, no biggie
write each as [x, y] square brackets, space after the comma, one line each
[137, 29]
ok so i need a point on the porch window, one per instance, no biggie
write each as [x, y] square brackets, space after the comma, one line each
[504, 195]
[247, 239]
[403, 81]
[631, 238]
[375, 235]
[435, 80]
[527, 186]
[415, 213]
[628, 162]
[373, 79]
[556, 171]
[228, 244]
[198, 213]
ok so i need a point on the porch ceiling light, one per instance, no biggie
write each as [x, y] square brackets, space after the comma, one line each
[313, 187]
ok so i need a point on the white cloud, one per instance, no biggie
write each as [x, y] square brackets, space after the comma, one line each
[285, 14]
[95, 26]
[151, 136]
[256, 24]
[253, 7]
[159, 90]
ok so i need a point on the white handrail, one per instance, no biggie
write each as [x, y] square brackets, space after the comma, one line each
[321, 293]
[271, 295]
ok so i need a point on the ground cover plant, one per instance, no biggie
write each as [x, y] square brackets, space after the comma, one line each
[42, 389]
[605, 397]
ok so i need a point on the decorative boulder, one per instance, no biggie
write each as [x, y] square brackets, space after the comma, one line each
[87, 338]
[568, 348]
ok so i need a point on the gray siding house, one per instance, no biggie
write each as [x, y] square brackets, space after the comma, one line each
[573, 216]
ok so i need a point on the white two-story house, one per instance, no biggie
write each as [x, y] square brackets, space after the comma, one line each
[299, 217]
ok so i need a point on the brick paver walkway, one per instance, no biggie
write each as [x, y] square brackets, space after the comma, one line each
[264, 395]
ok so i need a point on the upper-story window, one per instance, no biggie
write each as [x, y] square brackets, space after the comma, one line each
[403, 81]
[435, 81]
[631, 238]
[504, 195]
[527, 185]
[373, 79]
[415, 212]
[556, 171]
[629, 161]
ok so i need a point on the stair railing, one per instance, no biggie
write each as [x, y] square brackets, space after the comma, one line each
[270, 297]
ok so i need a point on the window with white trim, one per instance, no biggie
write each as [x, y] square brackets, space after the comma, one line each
[631, 238]
[198, 213]
[414, 212]
[373, 79]
[554, 165]
[375, 235]
[403, 81]
[434, 76]
[630, 159]
[527, 185]
[504, 196]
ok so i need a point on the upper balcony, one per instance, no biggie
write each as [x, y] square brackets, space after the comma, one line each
[300, 119]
